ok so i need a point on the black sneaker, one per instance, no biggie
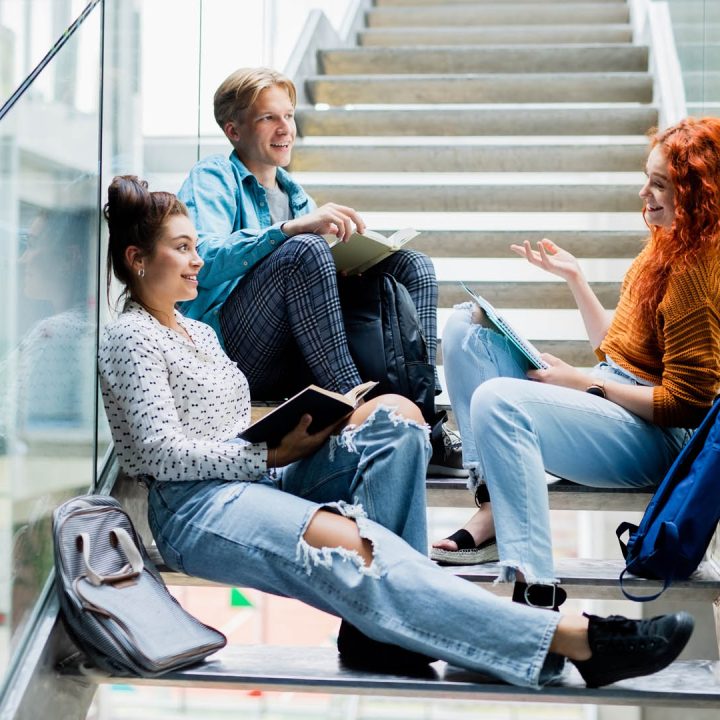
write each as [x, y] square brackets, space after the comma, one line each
[360, 652]
[446, 460]
[623, 648]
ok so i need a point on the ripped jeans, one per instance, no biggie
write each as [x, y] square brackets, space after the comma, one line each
[251, 534]
[514, 430]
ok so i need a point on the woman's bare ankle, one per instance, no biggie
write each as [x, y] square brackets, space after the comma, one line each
[571, 638]
[480, 526]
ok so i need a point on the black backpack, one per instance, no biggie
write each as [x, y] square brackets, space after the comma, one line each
[386, 340]
[115, 605]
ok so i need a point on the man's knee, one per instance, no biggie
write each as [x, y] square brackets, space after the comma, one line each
[419, 264]
[307, 248]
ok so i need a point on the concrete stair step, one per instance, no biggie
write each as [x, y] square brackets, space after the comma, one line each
[521, 192]
[478, 154]
[482, 88]
[488, 270]
[507, 293]
[590, 579]
[498, 13]
[485, 59]
[559, 331]
[275, 668]
[598, 580]
[449, 243]
[489, 235]
[575, 352]
[443, 119]
[563, 495]
[536, 324]
[495, 35]
[463, 192]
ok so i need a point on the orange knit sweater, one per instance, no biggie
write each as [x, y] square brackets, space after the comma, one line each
[682, 359]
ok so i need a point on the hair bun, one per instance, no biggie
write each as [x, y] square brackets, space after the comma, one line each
[128, 200]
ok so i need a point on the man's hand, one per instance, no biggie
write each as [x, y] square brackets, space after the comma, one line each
[329, 219]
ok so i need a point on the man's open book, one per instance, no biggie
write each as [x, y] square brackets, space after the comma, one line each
[325, 406]
[362, 251]
[498, 323]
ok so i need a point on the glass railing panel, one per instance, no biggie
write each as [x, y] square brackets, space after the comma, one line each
[28, 29]
[48, 299]
[696, 27]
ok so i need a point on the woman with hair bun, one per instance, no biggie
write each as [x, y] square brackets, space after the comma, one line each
[334, 520]
[621, 425]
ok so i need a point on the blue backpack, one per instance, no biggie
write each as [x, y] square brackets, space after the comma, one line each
[681, 518]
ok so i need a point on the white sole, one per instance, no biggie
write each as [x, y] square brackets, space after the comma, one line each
[476, 556]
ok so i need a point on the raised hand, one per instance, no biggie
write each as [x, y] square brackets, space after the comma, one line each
[550, 257]
[328, 219]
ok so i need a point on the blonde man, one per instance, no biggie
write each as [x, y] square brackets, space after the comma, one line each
[269, 284]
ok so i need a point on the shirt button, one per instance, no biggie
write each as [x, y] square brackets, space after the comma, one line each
[272, 242]
[245, 262]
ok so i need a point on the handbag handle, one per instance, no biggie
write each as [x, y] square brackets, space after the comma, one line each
[119, 537]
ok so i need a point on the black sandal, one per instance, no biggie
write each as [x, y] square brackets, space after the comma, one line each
[468, 553]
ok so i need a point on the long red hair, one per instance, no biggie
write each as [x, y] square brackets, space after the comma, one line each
[692, 151]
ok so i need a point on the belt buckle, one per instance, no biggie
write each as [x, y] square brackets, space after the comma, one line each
[530, 603]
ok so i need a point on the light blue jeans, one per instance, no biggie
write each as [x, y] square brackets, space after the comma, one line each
[514, 430]
[251, 534]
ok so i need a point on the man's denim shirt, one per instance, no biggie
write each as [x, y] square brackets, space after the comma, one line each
[235, 231]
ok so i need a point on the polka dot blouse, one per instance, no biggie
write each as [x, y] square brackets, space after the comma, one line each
[173, 404]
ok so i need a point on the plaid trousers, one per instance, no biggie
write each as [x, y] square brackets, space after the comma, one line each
[283, 326]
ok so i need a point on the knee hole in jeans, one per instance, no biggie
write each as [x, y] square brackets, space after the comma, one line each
[327, 529]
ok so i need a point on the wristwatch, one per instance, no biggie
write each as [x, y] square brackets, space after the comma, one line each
[597, 388]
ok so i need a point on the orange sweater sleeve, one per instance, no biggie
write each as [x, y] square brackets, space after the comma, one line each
[682, 359]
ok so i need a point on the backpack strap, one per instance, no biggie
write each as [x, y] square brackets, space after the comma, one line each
[641, 598]
[118, 537]
[619, 531]
[669, 540]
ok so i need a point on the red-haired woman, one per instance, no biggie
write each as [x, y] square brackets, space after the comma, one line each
[622, 424]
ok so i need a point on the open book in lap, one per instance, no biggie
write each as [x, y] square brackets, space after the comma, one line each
[362, 251]
[496, 322]
[325, 406]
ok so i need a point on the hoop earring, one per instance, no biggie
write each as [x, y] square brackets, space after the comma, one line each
[141, 272]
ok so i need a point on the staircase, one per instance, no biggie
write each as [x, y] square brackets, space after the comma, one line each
[507, 121]
[482, 124]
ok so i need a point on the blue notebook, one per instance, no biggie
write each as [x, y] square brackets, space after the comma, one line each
[501, 325]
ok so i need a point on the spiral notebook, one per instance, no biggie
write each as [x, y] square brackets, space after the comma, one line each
[499, 323]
